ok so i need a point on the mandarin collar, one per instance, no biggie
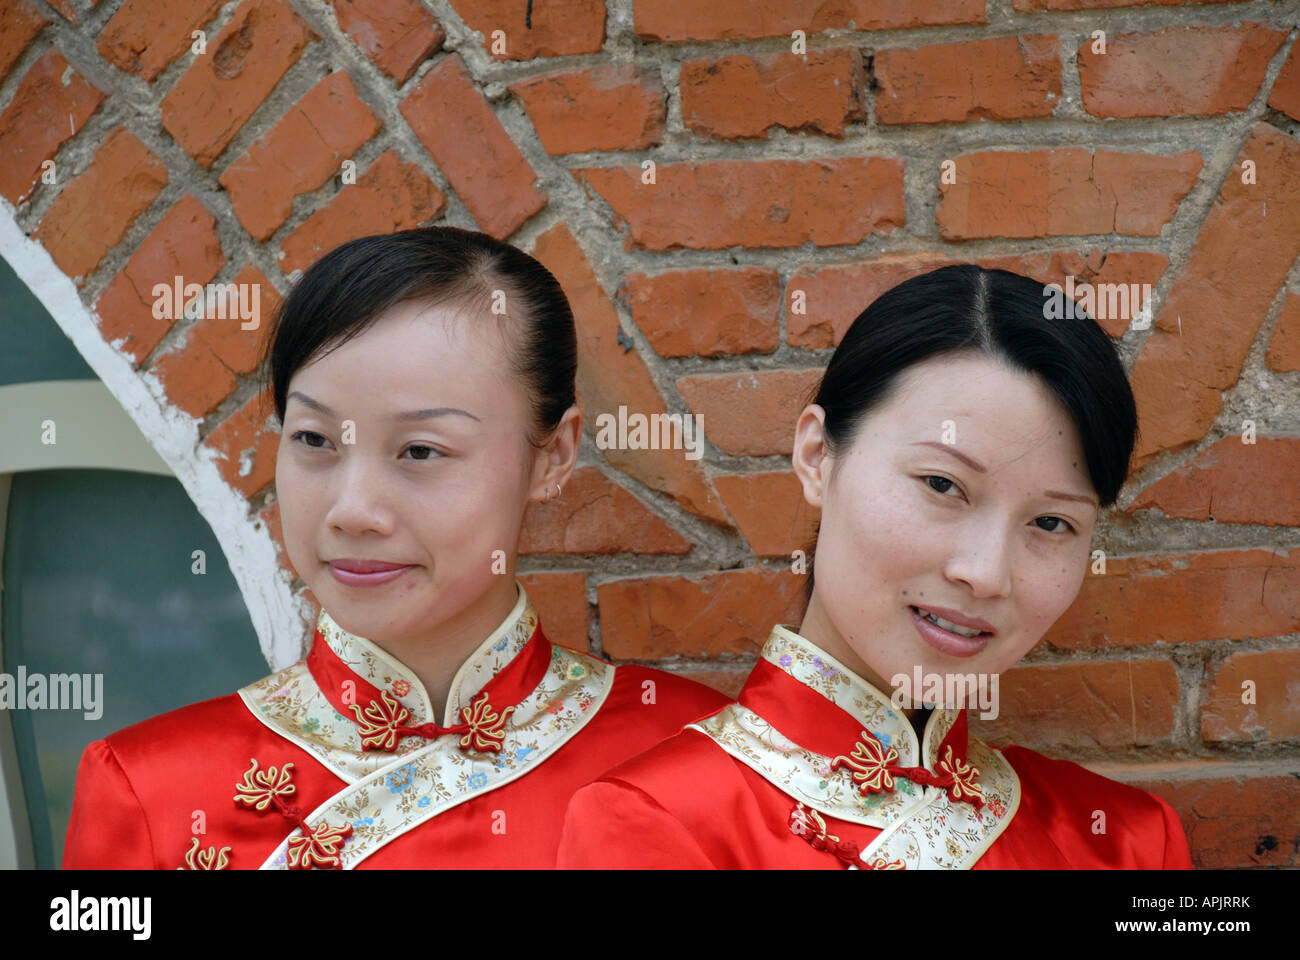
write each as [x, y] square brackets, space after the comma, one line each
[801, 659]
[372, 663]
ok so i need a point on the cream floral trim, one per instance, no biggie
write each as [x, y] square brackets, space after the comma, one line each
[903, 814]
[291, 703]
[936, 833]
[407, 790]
[804, 775]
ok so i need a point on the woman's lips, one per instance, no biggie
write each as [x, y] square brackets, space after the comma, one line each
[945, 641]
[353, 578]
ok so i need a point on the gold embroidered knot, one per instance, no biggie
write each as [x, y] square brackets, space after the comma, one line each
[810, 825]
[260, 787]
[318, 847]
[209, 859]
[378, 724]
[870, 763]
[963, 786]
[487, 728]
[383, 723]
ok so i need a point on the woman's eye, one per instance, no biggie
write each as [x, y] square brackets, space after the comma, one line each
[928, 480]
[430, 453]
[305, 435]
[1059, 522]
[932, 481]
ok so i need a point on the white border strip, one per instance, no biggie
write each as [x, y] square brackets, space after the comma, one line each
[277, 616]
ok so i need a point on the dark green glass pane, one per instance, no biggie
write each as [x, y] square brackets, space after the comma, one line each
[97, 579]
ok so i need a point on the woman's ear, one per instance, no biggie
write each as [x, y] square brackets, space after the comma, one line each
[811, 461]
[554, 463]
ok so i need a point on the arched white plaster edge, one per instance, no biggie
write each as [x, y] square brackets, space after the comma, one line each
[277, 615]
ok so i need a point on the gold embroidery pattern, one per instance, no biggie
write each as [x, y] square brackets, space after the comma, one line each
[870, 763]
[318, 847]
[880, 863]
[209, 859]
[443, 776]
[261, 787]
[378, 724]
[487, 729]
[963, 778]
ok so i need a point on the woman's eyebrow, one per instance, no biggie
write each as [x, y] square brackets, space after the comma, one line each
[976, 465]
[431, 412]
[425, 414]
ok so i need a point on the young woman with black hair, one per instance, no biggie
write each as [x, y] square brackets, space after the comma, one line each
[959, 448]
[424, 381]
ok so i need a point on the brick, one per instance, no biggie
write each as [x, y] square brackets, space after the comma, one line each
[144, 37]
[595, 515]
[1232, 482]
[706, 313]
[834, 296]
[245, 445]
[1274, 715]
[20, 22]
[1177, 70]
[389, 196]
[299, 154]
[66, 10]
[610, 107]
[561, 602]
[1005, 78]
[1032, 5]
[727, 98]
[1285, 95]
[753, 203]
[1183, 598]
[722, 614]
[219, 92]
[193, 379]
[1234, 814]
[185, 245]
[1063, 192]
[1206, 325]
[51, 104]
[95, 210]
[1085, 707]
[397, 35]
[200, 375]
[610, 375]
[241, 350]
[554, 30]
[1284, 346]
[468, 143]
[671, 20]
[750, 413]
[770, 511]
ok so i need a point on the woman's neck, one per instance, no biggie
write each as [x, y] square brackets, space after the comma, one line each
[436, 656]
[818, 629]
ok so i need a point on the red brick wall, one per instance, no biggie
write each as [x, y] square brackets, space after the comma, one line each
[1170, 159]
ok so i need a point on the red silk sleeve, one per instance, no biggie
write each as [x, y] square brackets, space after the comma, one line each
[108, 829]
[1178, 855]
[613, 825]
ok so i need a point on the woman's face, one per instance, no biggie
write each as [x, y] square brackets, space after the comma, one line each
[908, 519]
[433, 471]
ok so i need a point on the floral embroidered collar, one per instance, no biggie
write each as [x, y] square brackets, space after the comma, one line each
[833, 742]
[338, 658]
[814, 721]
[365, 716]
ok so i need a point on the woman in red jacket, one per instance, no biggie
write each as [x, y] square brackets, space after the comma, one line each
[959, 447]
[425, 385]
